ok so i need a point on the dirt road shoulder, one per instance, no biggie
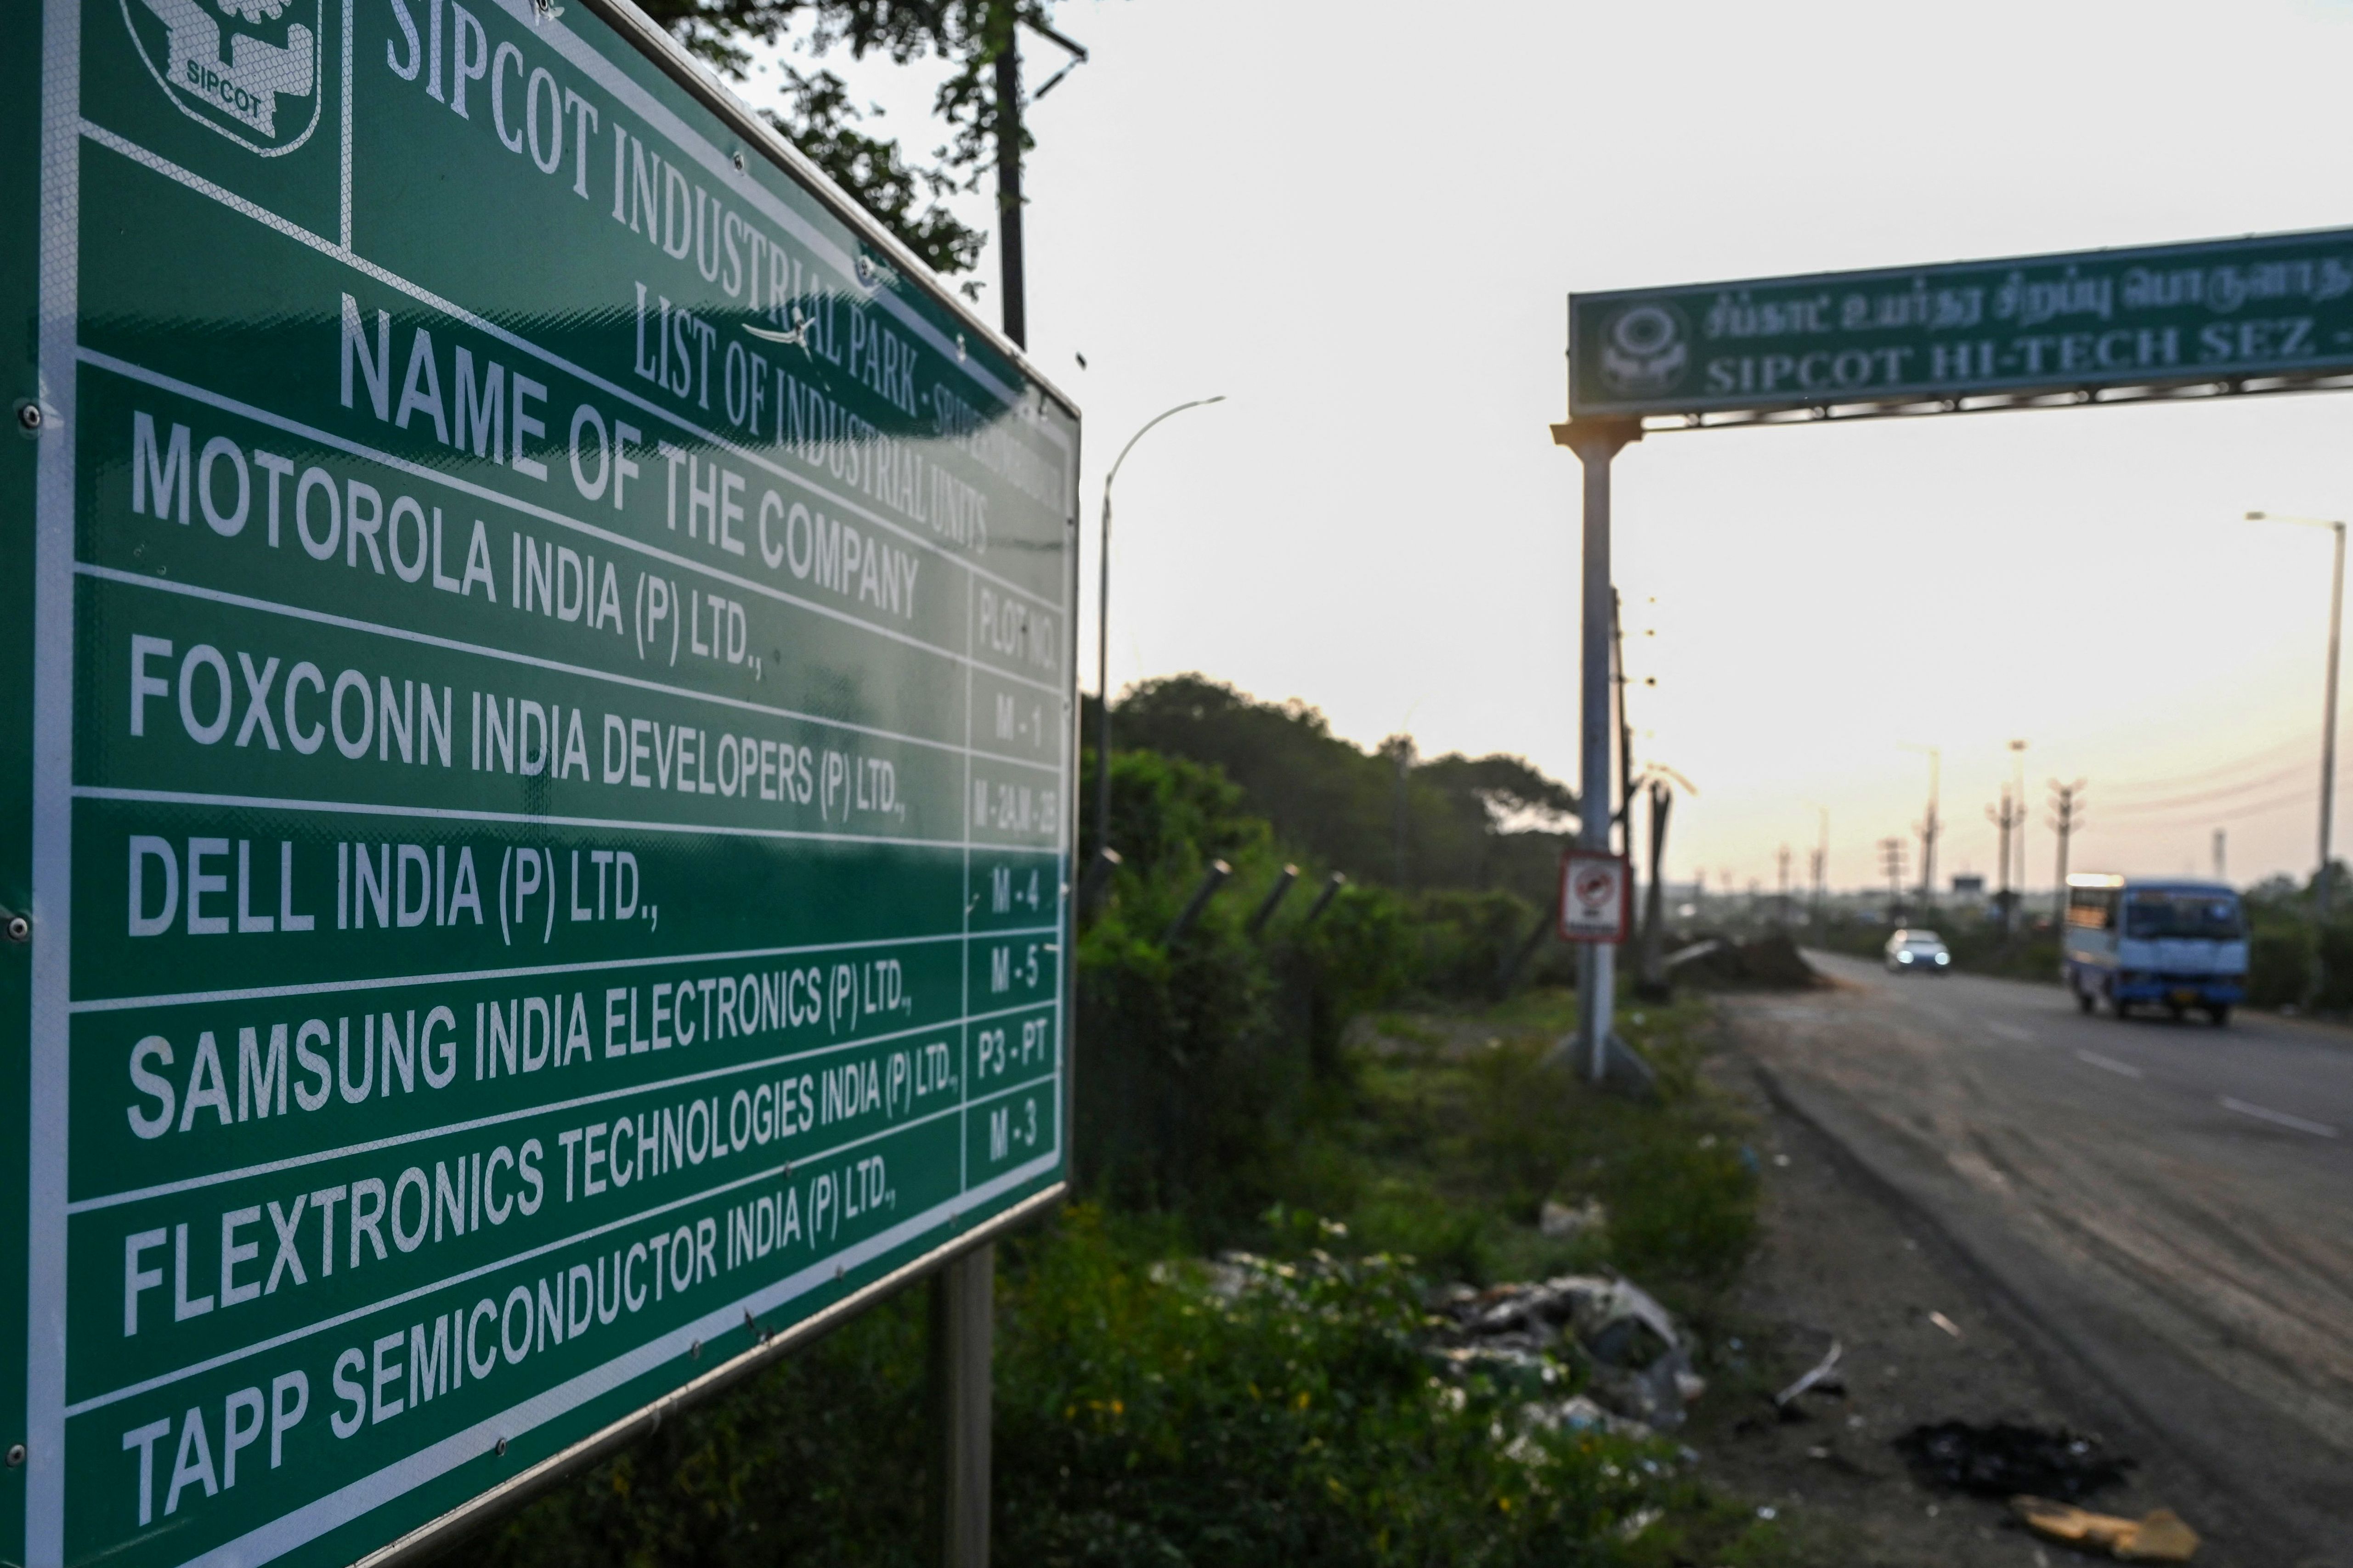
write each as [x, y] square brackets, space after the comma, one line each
[1846, 1255]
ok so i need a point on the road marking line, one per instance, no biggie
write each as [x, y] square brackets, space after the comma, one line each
[2098, 1060]
[2318, 1129]
[2010, 1032]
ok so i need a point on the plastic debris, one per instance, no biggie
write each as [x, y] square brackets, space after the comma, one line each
[1579, 1413]
[2159, 1536]
[2003, 1460]
[1642, 1367]
[1641, 1519]
[1563, 1221]
[1824, 1375]
[1945, 1323]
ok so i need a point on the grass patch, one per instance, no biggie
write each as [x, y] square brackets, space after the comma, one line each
[1143, 1417]
[1450, 1131]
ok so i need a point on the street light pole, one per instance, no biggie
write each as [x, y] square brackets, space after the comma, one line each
[2328, 711]
[1103, 630]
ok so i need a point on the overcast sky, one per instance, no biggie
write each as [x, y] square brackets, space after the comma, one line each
[1358, 221]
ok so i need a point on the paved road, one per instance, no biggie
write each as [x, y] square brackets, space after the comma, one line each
[2171, 1204]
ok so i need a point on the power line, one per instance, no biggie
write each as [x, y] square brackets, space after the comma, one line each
[2220, 770]
[2202, 797]
[2234, 812]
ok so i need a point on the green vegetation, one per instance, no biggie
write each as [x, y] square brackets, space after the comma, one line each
[2285, 943]
[1455, 1129]
[1202, 1057]
[1144, 1418]
[1342, 805]
[1364, 1103]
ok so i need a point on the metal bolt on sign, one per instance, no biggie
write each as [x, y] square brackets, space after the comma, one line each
[16, 928]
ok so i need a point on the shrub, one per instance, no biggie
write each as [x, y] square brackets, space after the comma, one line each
[1140, 1418]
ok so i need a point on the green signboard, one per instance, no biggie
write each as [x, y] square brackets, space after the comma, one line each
[2277, 310]
[541, 770]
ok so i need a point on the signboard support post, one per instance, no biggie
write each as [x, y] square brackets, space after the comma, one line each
[1595, 442]
[963, 1320]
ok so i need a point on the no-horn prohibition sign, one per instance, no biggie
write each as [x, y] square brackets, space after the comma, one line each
[1596, 891]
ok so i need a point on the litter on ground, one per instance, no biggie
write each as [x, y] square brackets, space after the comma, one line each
[1562, 1221]
[2156, 1537]
[1640, 1364]
[1823, 1376]
[2002, 1459]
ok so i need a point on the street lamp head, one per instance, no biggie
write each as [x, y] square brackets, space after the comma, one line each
[1102, 622]
[2299, 522]
[1131, 440]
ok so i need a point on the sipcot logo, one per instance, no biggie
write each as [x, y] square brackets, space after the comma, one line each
[248, 69]
[1643, 351]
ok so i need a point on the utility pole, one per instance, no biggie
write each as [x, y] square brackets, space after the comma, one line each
[1014, 306]
[1655, 896]
[1398, 810]
[1929, 826]
[1625, 758]
[1891, 858]
[963, 1292]
[2066, 817]
[2221, 862]
[2322, 890]
[1625, 724]
[1781, 900]
[2006, 819]
[1820, 857]
[2018, 828]
[2328, 729]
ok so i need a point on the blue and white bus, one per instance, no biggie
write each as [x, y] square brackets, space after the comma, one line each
[2176, 943]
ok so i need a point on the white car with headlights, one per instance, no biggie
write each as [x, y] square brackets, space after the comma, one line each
[1916, 952]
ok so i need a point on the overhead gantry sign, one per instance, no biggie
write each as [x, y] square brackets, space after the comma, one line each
[2273, 314]
[2228, 318]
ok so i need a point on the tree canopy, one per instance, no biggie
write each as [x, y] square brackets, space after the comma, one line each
[1469, 822]
[905, 191]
